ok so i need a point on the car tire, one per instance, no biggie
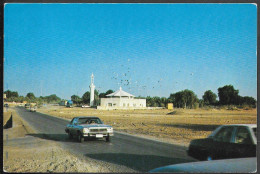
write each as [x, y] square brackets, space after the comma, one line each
[108, 139]
[80, 138]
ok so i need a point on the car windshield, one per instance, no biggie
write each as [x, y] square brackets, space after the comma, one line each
[89, 121]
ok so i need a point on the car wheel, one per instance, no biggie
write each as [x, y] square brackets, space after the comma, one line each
[108, 139]
[80, 137]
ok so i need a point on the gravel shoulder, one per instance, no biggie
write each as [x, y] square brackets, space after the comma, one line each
[23, 153]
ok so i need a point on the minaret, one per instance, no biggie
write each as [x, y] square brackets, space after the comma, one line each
[92, 89]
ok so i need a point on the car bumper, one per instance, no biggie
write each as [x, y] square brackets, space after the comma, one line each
[97, 135]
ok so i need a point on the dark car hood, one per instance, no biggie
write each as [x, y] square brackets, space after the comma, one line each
[201, 141]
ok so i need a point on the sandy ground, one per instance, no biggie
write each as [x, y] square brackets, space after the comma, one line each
[178, 126]
[22, 153]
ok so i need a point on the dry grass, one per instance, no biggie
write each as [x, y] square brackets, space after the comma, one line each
[178, 126]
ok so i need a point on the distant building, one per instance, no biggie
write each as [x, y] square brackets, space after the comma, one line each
[5, 96]
[121, 100]
[169, 106]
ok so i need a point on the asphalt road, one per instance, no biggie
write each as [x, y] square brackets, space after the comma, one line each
[133, 152]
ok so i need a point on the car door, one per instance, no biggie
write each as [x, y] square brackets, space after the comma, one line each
[242, 145]
[222, 143]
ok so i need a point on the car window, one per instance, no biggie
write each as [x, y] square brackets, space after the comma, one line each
[75, 121]
[95, 121]
[224, 134]
[243, 136]
[83, 120]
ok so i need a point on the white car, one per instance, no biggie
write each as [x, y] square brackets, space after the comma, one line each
[85, 106]
[88, 127]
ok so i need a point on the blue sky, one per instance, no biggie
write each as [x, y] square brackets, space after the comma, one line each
[148, 49]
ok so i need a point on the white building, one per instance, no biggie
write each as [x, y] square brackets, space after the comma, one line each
[121, 100]
[92, 89]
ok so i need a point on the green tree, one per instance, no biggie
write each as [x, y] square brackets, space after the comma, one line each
[76, 99]
[10, 94]
[103, 95]
[228, 95]
[184, 99]
[149, 101]
[52, 99]
[249, 101]
[156, 101]
[40, 102]
[86, 97]
[164, 102]
[189, 98]
[20, 99]
[96, 98]
[30, 95]
[178, 99]
[201, 103]
[209, 97]
[43, 99]
[109, 91]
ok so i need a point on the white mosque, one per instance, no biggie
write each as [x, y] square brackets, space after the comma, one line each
[117, 100]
